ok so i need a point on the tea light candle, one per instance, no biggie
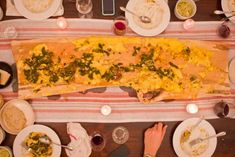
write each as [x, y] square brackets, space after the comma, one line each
[188, 24]
[192, 108]
[106, 110]
[62, 23]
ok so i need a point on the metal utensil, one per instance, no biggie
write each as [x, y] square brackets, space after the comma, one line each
[219, 12]
[144, 19]
[187, 133]
[227, 18]
[46, 140]
[199, 140]
[29, 149]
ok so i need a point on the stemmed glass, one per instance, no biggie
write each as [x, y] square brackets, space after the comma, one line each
[97, 141]
[84, 8]
[221, 109]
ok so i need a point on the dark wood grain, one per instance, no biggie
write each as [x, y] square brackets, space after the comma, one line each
[225, 146]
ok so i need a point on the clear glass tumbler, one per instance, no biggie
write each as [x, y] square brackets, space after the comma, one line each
[84, 7]
[120, 135]
[97, 141]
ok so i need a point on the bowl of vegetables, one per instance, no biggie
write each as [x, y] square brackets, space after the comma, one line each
[185, 9]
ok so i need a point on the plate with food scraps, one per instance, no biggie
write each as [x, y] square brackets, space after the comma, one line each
[6, 74]
[29, 138]
[182, 138]
[157, 10]
[15, 115]
[228, 6]
[37, 9]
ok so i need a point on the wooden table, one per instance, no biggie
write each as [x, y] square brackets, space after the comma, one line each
[225, 146]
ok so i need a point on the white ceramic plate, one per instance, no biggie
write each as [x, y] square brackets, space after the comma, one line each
[18, 149]
[25, 107]
[224, 4]
[37, 16]
[148, 32]
[182, 127]
[232, 71]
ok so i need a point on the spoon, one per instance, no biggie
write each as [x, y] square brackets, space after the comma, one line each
[29, 149]
[219, 12]
[46, 140]
[144, 19]
[199, 140]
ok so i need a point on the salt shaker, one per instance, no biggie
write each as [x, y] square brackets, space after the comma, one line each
[1, 13]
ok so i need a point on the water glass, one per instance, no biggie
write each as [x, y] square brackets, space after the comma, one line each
[84, 7]
[221, 109]
[120, 135]
[8, 32]
[224, 30]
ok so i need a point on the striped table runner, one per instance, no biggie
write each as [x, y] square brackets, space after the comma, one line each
[125, 106]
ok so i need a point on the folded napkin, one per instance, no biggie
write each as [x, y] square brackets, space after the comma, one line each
[80, 141]
[11, 10]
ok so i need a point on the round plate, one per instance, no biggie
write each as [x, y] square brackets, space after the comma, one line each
[37, 16]
[6, 67]
[183, 126]
[148, 32]
[25, 107]
[225, 4]
[17, 148]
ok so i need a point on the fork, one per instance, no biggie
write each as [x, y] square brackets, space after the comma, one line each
[199, 140]
[29, 149]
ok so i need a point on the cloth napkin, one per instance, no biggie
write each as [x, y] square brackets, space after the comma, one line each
[11, 10]
[80, 141]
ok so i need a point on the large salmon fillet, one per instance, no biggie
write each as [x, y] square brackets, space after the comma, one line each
[157, 68]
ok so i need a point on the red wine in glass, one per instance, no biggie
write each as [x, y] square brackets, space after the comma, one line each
[97, 141]
[120, 25]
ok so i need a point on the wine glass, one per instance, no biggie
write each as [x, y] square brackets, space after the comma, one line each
[97, 141]
[84, 8]
[120, 135]
[224, 30]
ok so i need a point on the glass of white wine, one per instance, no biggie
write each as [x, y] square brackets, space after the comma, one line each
[84, 8]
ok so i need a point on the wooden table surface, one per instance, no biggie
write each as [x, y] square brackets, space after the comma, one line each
[225, 146]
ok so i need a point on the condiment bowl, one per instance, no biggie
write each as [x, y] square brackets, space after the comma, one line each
[177, 11]
[5, 151]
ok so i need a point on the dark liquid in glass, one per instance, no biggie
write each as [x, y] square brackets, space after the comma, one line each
[97, 140]
[120, 25]
[224, 31]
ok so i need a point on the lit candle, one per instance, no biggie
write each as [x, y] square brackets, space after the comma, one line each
[106, 110]
[192, 108]
[188, 24]
[62, 23]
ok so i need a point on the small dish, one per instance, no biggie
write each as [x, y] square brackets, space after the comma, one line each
[185, 9]
[6, 150]
[6, 67]
[15, 115]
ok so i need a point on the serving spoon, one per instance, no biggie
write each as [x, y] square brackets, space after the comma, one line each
[46, 140]
[142, 18]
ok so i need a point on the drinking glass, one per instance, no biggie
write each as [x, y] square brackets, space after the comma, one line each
[221, 109]
[97, 141]
[84, 8]
[120, 135]
[120, 25]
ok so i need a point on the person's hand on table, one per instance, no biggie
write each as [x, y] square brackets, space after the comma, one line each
[153, 138]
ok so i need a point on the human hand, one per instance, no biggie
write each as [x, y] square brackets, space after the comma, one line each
[153, 138]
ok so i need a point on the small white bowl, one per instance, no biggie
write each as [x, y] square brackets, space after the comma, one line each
[23, 106]
[7, 149]
[181, 17]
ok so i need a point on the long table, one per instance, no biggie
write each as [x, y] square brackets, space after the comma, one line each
[225, 146]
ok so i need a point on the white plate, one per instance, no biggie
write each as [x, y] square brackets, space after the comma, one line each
[25, 107]
[182, 127]
[37, 16]
[18, 149]
[148, 32]
[224, 4]
[232, 71]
